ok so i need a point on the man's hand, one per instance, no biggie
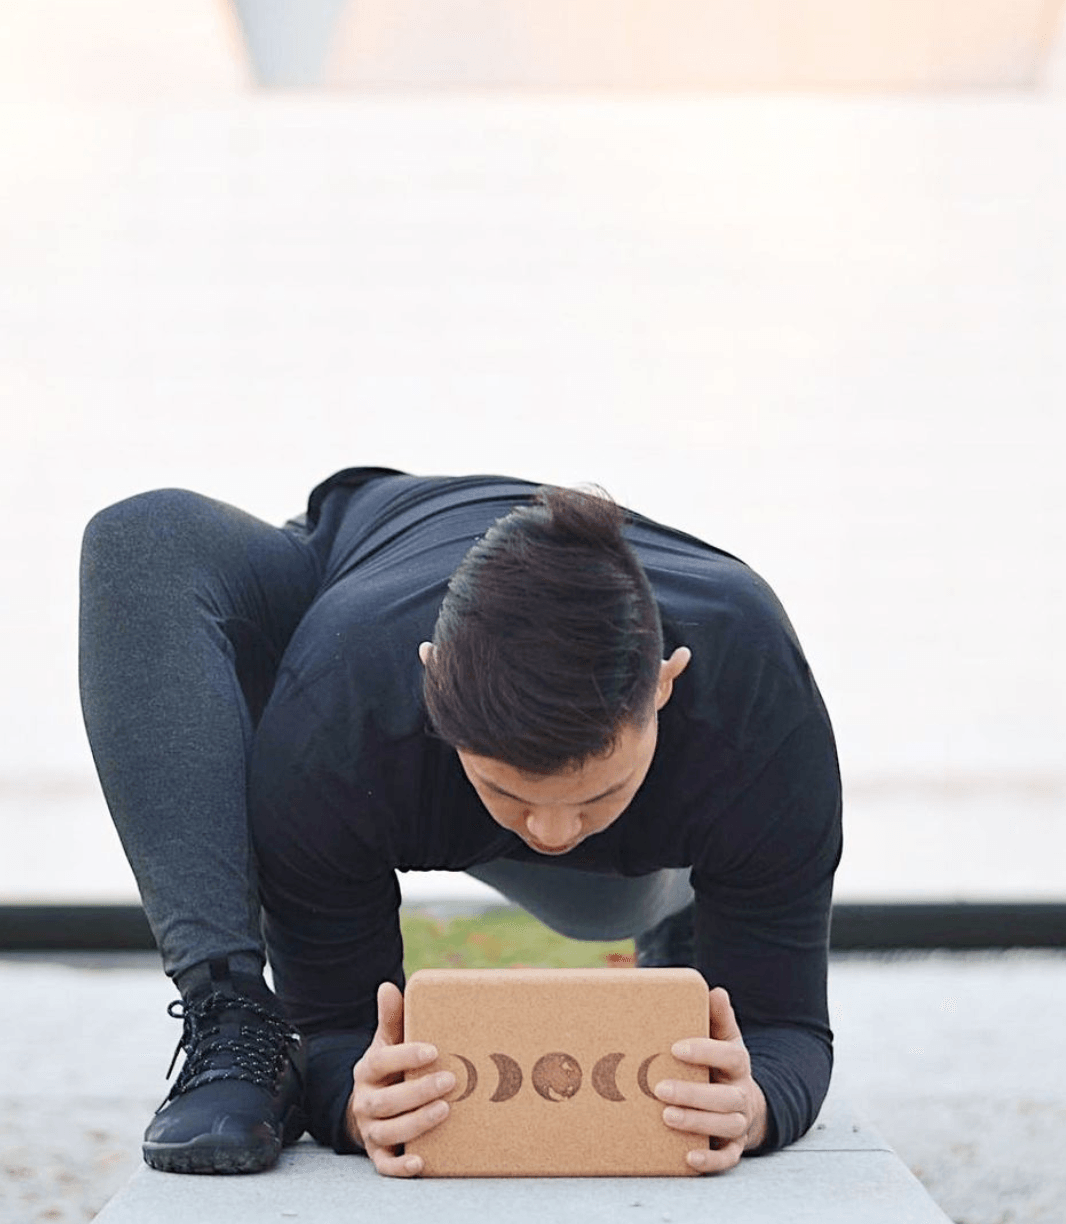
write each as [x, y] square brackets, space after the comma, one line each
[731, 1109]
[384, 1110]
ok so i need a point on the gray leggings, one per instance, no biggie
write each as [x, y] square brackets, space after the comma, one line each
[187, 605]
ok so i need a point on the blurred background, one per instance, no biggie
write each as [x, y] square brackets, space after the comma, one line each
[787, 274]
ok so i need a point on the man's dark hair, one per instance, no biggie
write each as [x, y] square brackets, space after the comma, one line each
[548, 641]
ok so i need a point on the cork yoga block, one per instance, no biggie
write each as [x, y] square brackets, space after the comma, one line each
[555, 1069]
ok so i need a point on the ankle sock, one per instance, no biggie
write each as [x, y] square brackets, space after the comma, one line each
[225, 975]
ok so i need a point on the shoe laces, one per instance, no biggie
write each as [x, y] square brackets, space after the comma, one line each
[256, 1051]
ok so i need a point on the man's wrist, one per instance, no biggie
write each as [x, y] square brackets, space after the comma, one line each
[757, 1131]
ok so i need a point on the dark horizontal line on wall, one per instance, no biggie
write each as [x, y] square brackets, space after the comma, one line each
[74, 928]
[952, 925]
[123, 928]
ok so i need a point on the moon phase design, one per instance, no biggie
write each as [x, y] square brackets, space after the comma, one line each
[510, 1080]
[603, 1077]
[471, 1078]
[556, 1076]
[642, 1076]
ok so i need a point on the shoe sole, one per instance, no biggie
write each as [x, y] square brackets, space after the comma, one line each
[207, 1154]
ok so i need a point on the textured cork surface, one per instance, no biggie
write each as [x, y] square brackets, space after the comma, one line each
[555, 1069]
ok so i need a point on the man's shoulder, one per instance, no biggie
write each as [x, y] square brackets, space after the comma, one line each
[706, 592]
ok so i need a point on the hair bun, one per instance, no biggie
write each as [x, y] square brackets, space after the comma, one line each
[586, 516]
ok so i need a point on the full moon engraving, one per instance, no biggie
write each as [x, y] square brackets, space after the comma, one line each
[556, 1076]
[510, 1077]
[603, 1077]
[642, 1076]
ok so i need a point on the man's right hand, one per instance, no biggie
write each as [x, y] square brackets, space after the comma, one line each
[385, 1110]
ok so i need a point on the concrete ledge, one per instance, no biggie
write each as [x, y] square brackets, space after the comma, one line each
[842, 1172]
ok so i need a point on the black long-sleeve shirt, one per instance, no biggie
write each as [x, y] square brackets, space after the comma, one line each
[347, 785]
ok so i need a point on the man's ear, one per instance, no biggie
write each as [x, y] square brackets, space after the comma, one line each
[425, 649]
[669, 671]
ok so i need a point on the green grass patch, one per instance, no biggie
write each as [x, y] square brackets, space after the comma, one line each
[498, 939]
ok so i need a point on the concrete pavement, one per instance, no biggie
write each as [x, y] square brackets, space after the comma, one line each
[956, 1059]
[840, 1172]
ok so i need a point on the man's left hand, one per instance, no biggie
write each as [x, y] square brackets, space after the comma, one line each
[731, 1109]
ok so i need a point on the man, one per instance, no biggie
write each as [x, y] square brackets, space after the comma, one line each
[606, 719]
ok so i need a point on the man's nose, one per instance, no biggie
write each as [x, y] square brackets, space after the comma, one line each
[552, 828]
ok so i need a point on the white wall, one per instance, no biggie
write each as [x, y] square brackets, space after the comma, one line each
[825, 334]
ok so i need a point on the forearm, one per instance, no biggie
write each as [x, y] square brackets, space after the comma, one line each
[331, 1057]
[792, 1068]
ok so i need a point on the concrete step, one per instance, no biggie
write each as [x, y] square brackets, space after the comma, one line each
[840, 1173]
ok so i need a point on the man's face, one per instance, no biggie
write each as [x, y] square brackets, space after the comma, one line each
[553, 813]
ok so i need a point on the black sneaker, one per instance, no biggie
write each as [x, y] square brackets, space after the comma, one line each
[238, 1098]
[670, 943]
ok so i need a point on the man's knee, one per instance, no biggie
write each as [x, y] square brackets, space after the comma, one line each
[139, 526]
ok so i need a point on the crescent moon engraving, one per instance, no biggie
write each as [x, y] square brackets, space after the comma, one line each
[642, 1076]
[603, 1077]
[510, 1080]
[556, 1076]
[471, 1079]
